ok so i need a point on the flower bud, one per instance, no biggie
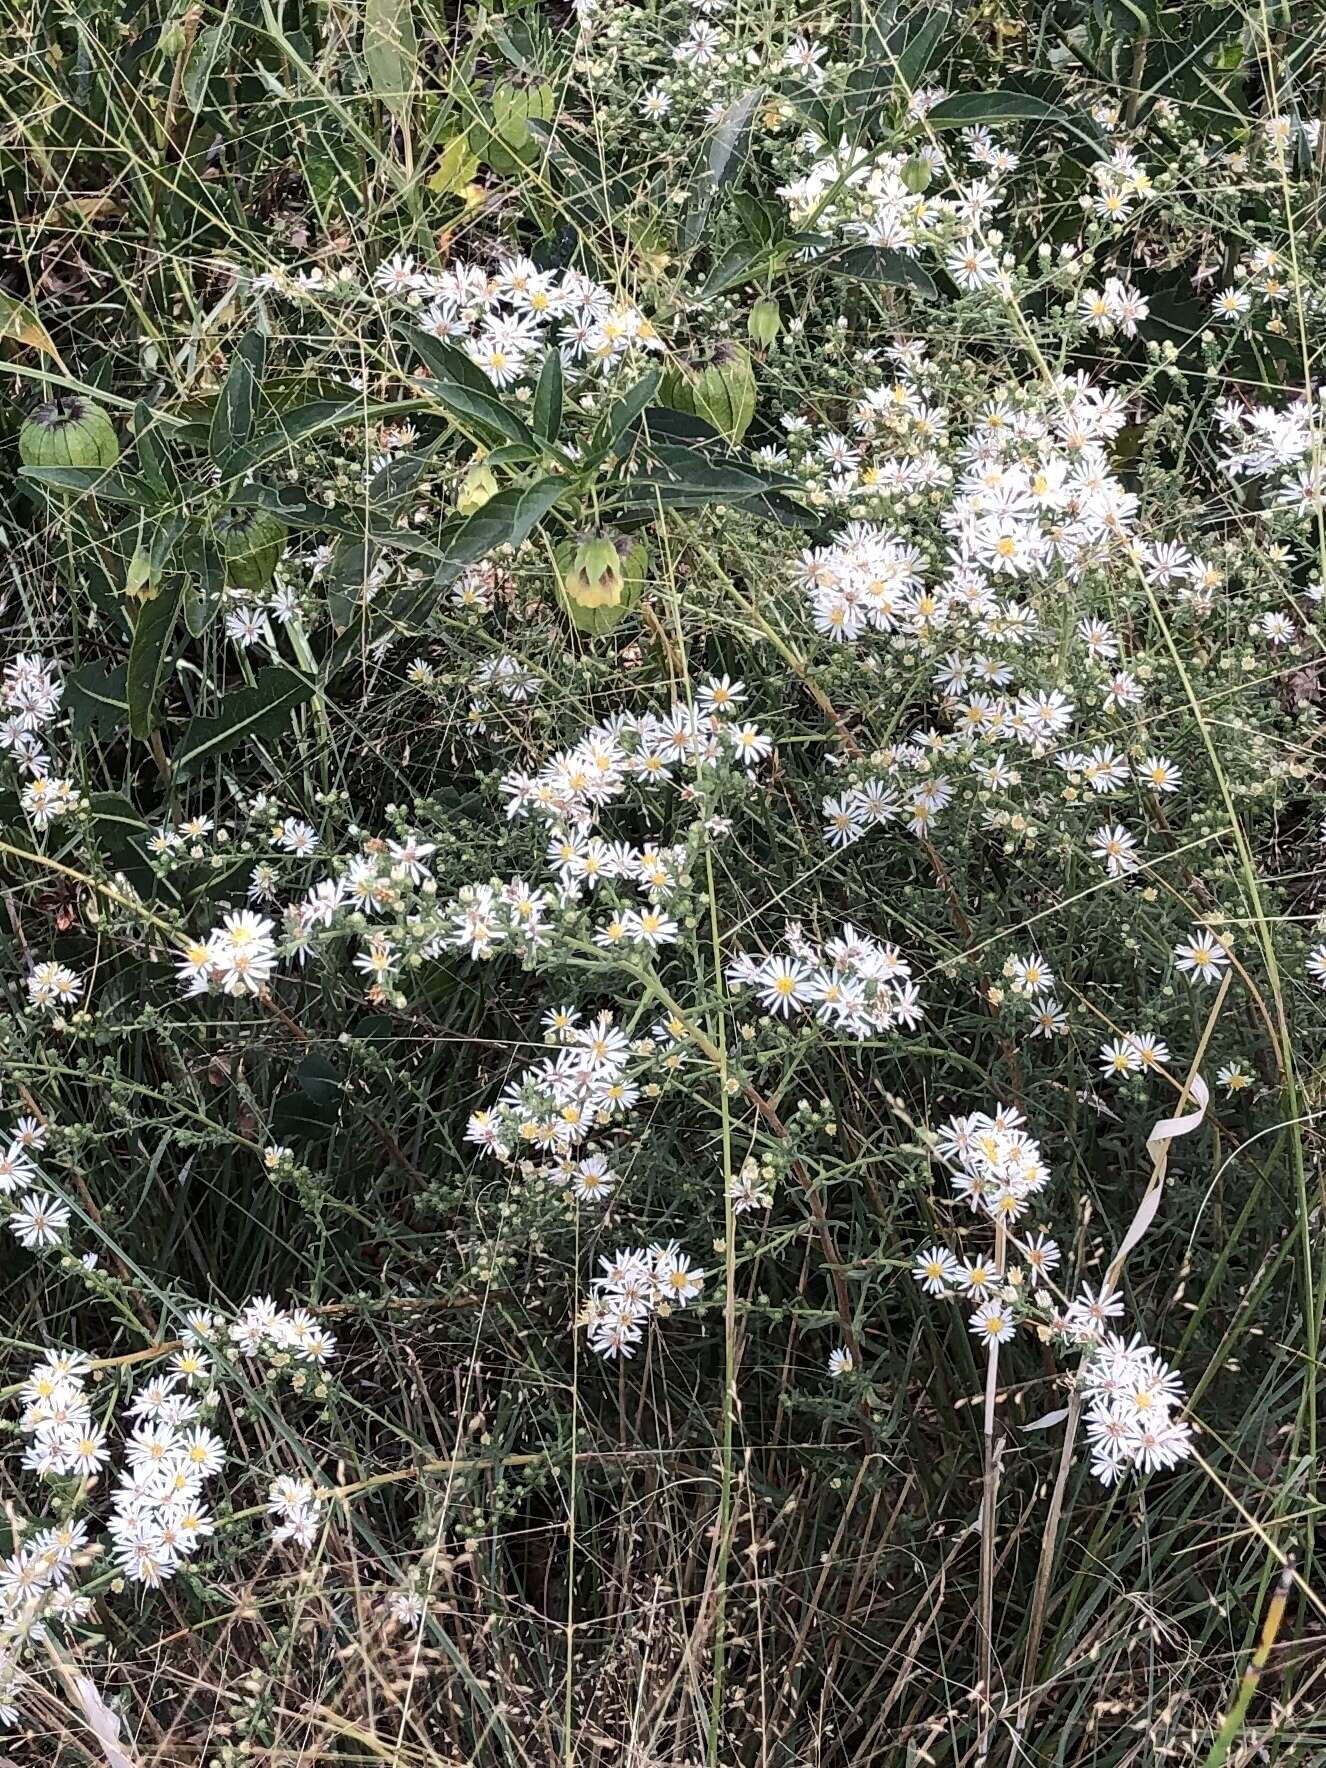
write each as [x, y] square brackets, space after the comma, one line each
[764, 321]
[476, 488]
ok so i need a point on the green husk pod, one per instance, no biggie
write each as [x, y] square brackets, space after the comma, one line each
[514, 107]
[764, 321]
[721, 391]
[251, 544]
[68, 431]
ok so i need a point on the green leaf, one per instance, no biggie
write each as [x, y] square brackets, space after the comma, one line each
[390, 51]
[166, 531]
[764, 221]
[298, 1118]
[456, 166]
[201, 558]
[298, 511]
[727, 148]
[584, 174]
[877, 264]
[1007, 106]
[727, 152]
[505, 520]
[97, 699]
[249, 713]
[147, 655]
[346, 581]
[445, 361]
[743, 261]
[112, 809]
[966, 108]
[464, 391]
[156, 468]
[102, 482]
[208, 47]
[907, 47]
[296, 426]
[320, 1079]
[547, 411]
[620, 416]
[687, 479]
[232, 420]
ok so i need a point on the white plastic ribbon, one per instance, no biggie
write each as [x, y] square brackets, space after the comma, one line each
[1157, 1146]
[1167, 1128]
[103, 1722]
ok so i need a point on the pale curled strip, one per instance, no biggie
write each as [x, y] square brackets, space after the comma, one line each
[1157, 1146]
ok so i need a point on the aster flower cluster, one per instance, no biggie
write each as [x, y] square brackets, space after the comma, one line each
[561, 1101]
[997, 1169]
[53, 986]
[886, 199]
[239, 956]
[500, 680]
[635, 1284]
[644, 752]
[1029, 487]
[159, 1517]
[561, 1106]
[851, 982]
[933, 200]
[1280, 444]
[31, 692]
[39, 1220]
[505, 318]
[643, 749]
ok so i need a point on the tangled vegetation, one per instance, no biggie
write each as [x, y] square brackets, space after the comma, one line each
[661, 819]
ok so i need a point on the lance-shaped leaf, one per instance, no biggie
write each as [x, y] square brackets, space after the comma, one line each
[505, 520]
[232, 419]
[390, 51]
[876, 264]
[464, 391]
[965, 109]
[547, 408]
[727, 151]
[622, 416]
[147, 654]
[247, 714]
[103, 482]
[97, 698]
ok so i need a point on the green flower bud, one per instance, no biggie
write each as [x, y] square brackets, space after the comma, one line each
[764, 321]
[478, 485]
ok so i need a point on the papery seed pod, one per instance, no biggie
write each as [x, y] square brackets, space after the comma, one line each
[721, 391]
[251, 543]
[68, 431]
